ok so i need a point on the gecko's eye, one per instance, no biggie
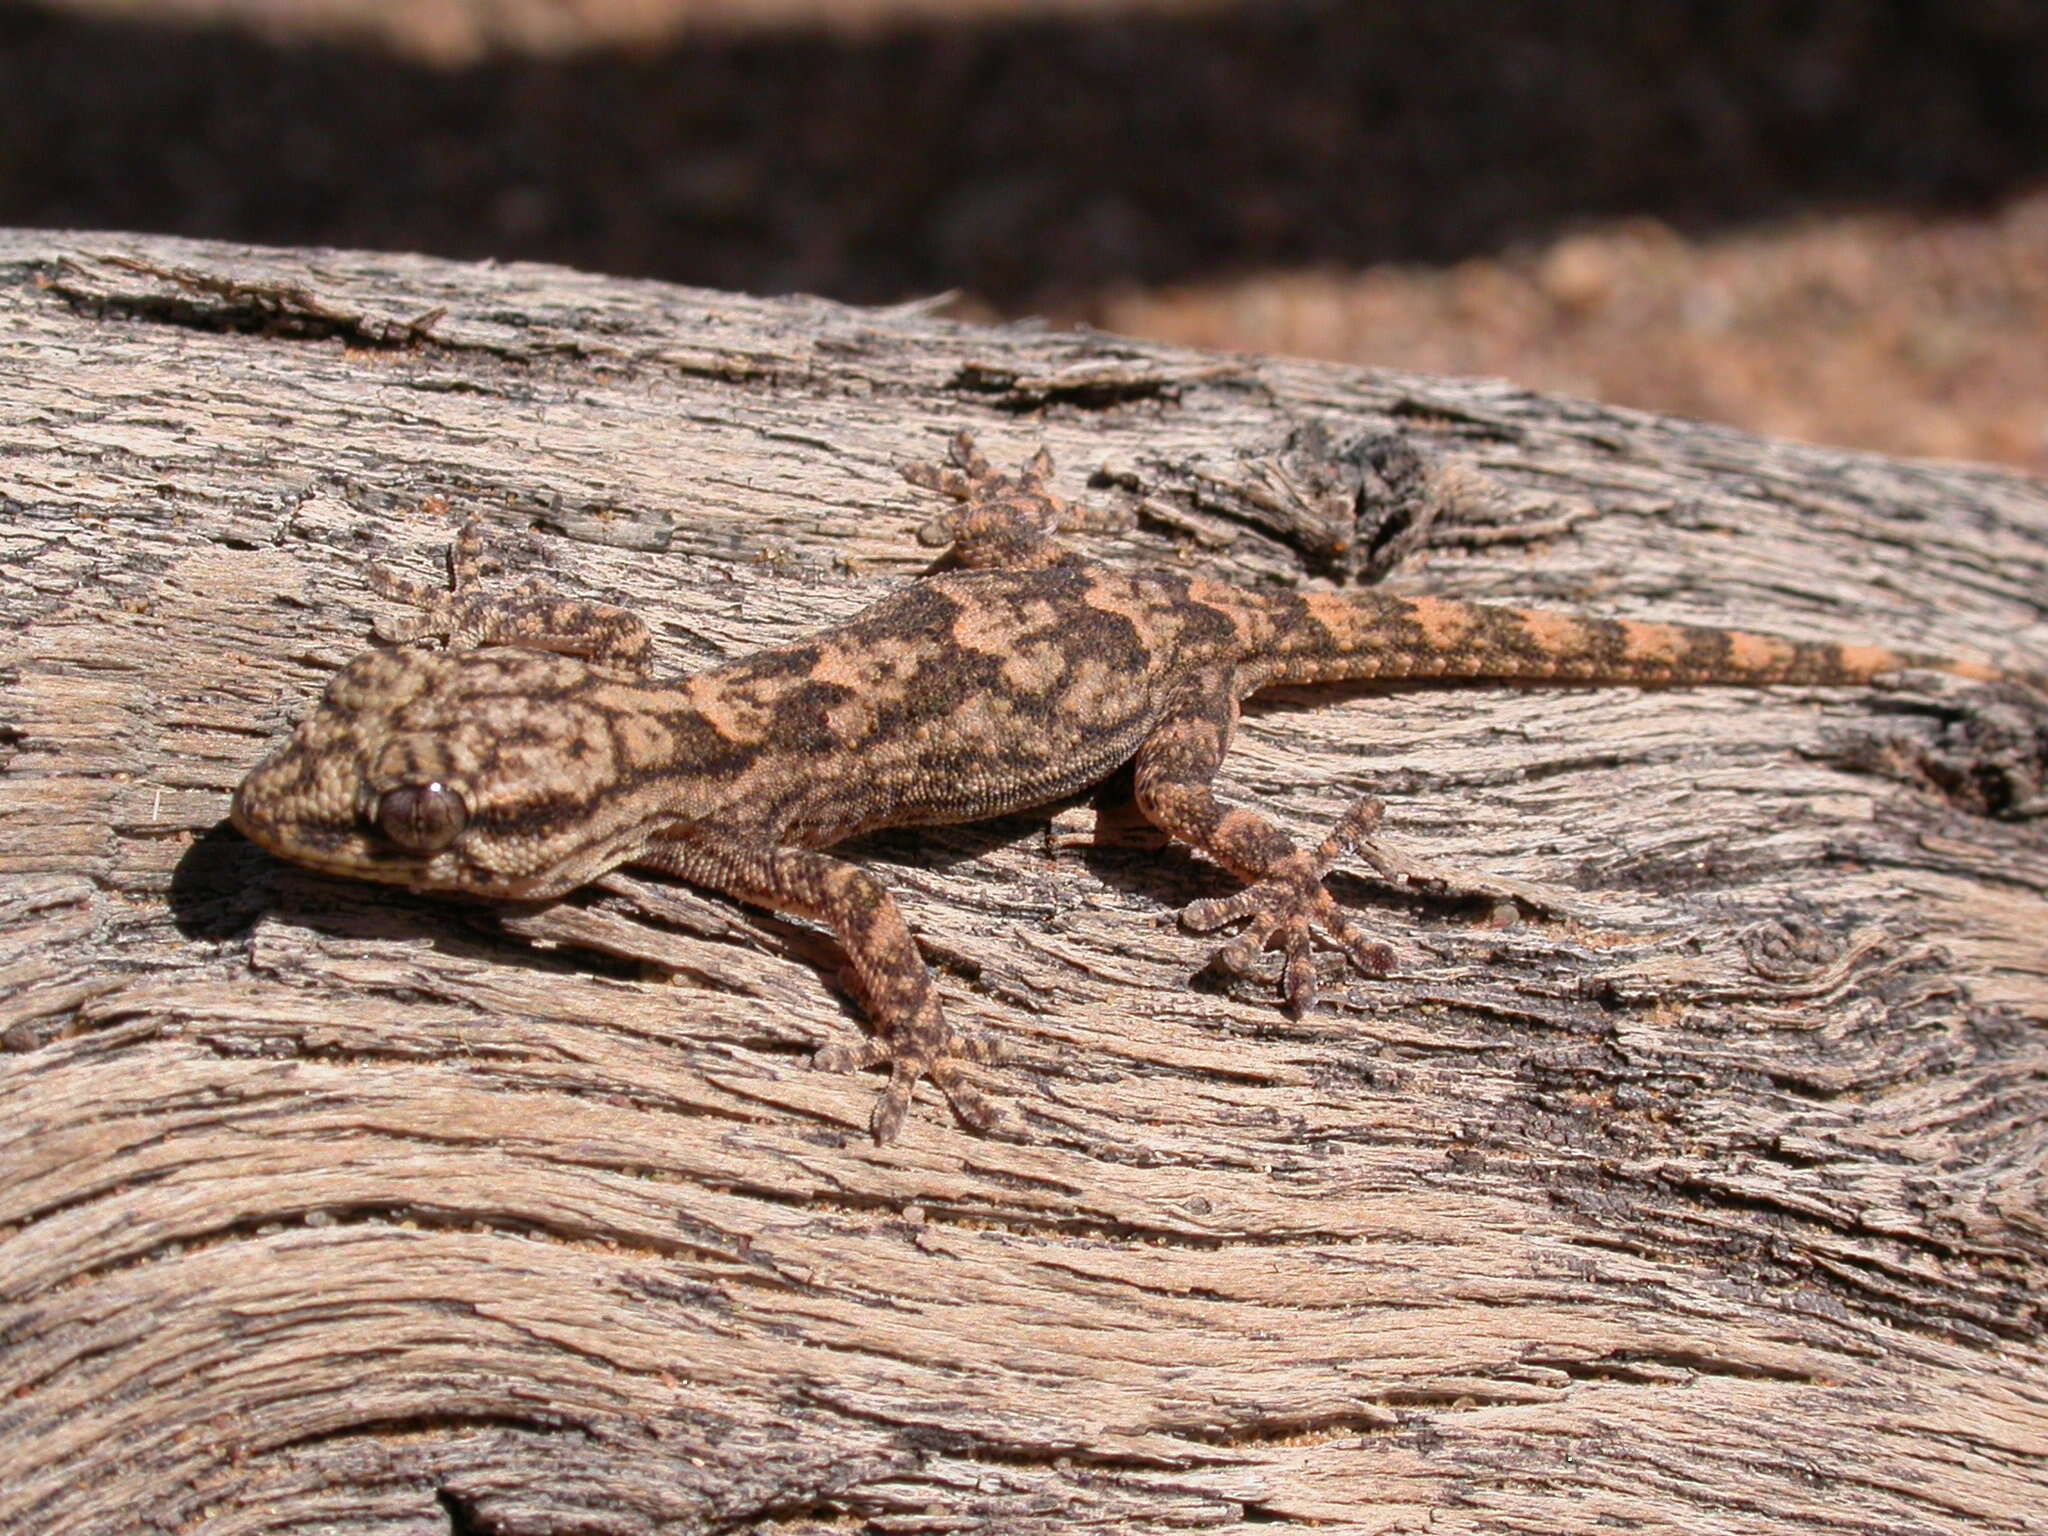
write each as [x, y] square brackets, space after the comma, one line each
[422, 818]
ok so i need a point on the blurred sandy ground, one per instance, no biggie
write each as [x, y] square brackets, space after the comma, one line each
[1925, 336]
[455, 32]
[1908, 334]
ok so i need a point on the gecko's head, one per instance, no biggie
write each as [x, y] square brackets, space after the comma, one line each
[493, 772]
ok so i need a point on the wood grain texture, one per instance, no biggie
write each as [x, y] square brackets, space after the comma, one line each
[1709, 1200]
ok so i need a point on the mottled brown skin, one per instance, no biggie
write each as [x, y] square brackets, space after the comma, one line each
[533, 751]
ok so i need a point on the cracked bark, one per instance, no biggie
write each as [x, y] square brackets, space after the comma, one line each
[1706, 1200]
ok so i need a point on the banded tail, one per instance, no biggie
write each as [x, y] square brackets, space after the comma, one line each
[1337, 638]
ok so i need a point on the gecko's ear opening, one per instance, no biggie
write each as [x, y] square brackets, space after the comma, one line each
[422, 818]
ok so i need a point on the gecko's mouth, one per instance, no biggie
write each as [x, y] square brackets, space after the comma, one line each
[246, 817]
[359, 854]
[358, 850]
[331, 849]
[258, 812]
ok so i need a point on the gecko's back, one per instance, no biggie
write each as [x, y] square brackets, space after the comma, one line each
[966, 695]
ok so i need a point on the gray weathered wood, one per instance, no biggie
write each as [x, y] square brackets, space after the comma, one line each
[1709, 1200]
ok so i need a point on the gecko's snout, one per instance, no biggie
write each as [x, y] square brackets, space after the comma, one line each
[296, 803]
[249, 809]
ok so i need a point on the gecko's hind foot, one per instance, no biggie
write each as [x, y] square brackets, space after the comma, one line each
[1284, 912]
[1286, 908]
[944, 1067]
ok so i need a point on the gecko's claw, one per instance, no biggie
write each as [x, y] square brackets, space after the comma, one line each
[1284, 910]
[944, 1068]
[967, 474]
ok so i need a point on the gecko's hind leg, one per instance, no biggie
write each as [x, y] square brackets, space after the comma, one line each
[1283, 909]
[1002, 522]
[1283, 905]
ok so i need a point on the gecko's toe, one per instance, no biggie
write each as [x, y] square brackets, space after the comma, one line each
[1364, 951]
[891, 1106]
[969, 1104]
[961, 451]
[945, 1070]
[962, 475]
[944, 479]
[1213, 912]
[1284, 913]
[850, 1055]
[975, 1109]
[1298, 976]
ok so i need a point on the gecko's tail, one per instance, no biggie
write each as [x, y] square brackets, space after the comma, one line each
[1336, 637]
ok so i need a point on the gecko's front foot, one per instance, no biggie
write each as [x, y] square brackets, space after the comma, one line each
[1284, 909]
[464, 615]
[909, 1057]
[1002, 522]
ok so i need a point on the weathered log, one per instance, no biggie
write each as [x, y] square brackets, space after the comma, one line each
[1705, 1198]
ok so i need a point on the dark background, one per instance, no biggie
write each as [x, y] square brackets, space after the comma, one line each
[1032, 162]
[1825, 219]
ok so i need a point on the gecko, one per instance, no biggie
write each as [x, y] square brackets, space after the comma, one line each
[519, 744]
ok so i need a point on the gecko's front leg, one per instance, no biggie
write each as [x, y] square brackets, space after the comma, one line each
[889, 975]
[466, 614]
[1283, 903]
